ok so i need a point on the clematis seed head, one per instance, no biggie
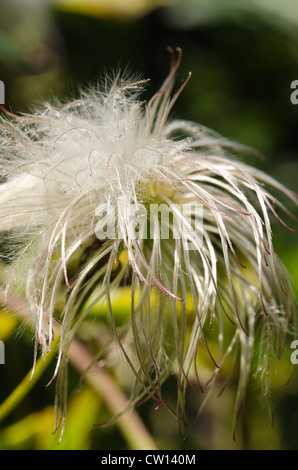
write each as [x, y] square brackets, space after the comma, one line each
[79, 182]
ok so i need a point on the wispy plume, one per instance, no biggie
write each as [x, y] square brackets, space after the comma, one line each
[79, 181]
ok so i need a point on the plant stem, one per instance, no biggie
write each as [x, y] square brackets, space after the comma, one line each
[24, 387]
[130, 424]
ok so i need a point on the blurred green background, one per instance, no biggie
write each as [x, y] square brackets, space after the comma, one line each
[243, 56]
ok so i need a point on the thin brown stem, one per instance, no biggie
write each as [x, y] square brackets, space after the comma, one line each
[132, 427]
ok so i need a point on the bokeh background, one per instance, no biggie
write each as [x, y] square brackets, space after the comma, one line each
[243, 56]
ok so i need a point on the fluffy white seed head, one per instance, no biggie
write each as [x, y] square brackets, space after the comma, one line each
[73, 170]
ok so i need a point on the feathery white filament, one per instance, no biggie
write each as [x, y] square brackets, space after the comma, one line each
[104, 153]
